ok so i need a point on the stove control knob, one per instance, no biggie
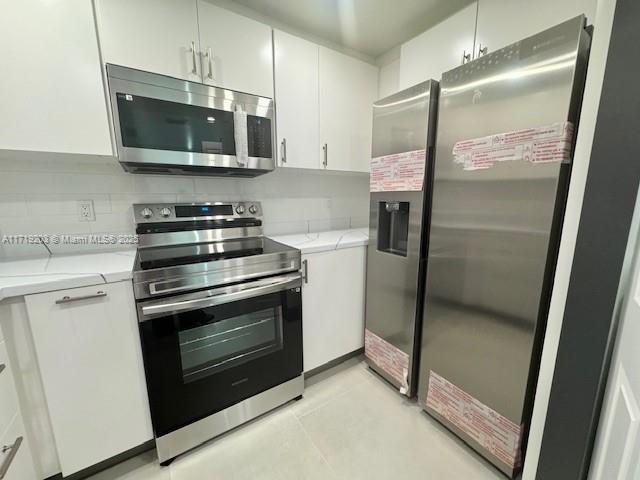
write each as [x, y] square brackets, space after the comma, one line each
[253, 209]
[146, 212]
[165, 212]
[240, 209]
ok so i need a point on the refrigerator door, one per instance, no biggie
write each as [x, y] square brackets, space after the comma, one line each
[402, 123]
[496, 218]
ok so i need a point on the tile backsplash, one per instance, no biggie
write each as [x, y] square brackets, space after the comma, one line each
[39, 196]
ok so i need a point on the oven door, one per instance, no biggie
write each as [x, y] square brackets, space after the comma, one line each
[162, 123]
[208, 350]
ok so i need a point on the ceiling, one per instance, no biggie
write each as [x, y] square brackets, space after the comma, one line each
[371, 27]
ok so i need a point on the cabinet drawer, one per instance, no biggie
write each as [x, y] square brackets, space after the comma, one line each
[17, 460]
[8, 402]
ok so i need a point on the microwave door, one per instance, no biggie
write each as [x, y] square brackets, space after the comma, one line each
[150, 123]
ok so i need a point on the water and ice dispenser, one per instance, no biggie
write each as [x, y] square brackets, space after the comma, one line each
[393, 227]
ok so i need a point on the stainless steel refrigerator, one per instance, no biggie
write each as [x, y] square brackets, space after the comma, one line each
[401, 167]
[502, 167]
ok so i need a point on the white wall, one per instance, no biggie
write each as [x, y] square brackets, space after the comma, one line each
[389, 73]
[243, 10]
[39, 195]
[389, 78]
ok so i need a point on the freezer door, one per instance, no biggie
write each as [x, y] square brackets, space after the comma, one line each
[393, 273]
[495, 231]
[395, 258]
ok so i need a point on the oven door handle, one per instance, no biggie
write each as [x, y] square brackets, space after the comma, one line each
[220, 296]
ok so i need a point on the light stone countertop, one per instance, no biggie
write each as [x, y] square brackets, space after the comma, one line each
[58, 272]
[43, 274]
[324, 241]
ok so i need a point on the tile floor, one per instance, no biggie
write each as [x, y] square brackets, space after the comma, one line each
[349, 425]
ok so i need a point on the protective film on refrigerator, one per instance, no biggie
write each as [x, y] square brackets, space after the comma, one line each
[399, 172]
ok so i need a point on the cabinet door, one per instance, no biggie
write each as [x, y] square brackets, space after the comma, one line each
[296, 84]
[8, 399]
[439, 49]
[19, 458]
[333, 305]
[88, 350]
[51, 91]
[236, 51]
[502, 22]
[348, 88]
[151, 35]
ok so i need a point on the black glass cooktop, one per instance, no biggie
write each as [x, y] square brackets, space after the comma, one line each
[159, 257]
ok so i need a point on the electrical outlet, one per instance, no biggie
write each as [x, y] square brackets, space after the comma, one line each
[86, 213]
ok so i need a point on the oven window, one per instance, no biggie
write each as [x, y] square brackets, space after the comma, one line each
[162, 125]
[217, 344]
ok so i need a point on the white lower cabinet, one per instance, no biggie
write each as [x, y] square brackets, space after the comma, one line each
[88, 350]
[16, 461]
[8, 399]
[333, 304]
[15, 455]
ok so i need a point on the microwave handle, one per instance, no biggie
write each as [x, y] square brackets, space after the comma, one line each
[220, 296]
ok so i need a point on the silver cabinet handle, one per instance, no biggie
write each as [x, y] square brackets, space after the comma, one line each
[194, 70]
[466, 57]
[482, 50]
[67, 299]
[305, 271]
[209, 55]
[283, 150]
[2, 367]
[13, 450]
[325, 162]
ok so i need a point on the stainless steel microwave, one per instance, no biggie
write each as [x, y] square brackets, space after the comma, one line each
[164, 125]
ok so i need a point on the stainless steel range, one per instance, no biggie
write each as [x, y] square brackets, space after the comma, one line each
[220, 316]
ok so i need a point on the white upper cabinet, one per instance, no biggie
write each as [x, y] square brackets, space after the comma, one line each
[502, 22]
[236, 51]
[159, 36]
[348, 88]
[51, 91]
[188, 39]
[439, 49]
[296, 75]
